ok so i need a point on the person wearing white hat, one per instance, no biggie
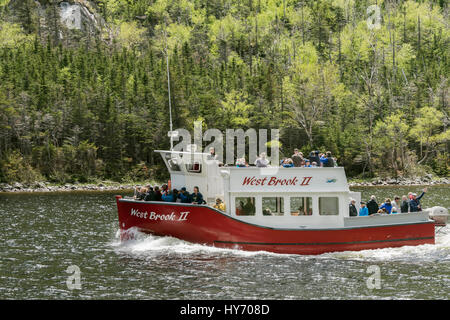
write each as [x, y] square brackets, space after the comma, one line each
[414, 203]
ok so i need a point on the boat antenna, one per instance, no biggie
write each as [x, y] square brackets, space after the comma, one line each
[168, 86]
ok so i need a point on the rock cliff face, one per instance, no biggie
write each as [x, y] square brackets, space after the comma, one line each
[77, 16]
[69, 21]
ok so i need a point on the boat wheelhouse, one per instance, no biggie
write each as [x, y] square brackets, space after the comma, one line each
[286, 210]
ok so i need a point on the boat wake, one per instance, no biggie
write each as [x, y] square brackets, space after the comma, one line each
[440, 251]
[140, 243]
[145, 244]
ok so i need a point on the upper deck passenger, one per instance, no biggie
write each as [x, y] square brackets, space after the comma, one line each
[287, 163]
[212, 154]
[262, 161]
[327, 160]
[297, 158]
[241, 163]
[314, 157]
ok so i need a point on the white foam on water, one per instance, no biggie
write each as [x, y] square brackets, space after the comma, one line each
[141, 243]
[440, 251]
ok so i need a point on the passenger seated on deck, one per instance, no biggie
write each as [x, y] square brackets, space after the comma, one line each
[150, 196]
[288, 163]
[314, 164]
[372, 205]
[396, 204]
[184, 196]
[404, 208]
[387, 205]
[352, 208]
[363, 211]
[165, 188]
[141, 193]
[267, 212]
[219, 205]
[327, 161]
[197, 197]
[158, 195]
[241, 163]
[314, 157]
[137, 190]
[137, 193]
[297, 158]
[175, 194]
[307, 164]
[167, 196]
[262, 161]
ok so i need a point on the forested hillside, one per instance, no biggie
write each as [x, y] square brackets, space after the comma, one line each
[90, 101]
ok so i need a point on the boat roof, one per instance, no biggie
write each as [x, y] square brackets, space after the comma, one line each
[255, 179]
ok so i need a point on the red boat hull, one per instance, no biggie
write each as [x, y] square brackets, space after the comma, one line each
[205, 225]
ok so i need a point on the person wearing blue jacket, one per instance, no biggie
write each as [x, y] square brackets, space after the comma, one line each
[414, 203]
[387, 205]
[363, 211]
[288, 163]
[167, 196]
[184, 196]
[307, 163]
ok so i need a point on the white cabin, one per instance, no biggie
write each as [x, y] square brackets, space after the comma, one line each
[275, 197]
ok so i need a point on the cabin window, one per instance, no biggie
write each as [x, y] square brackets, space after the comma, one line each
[172, 163]
[301, 206]
[273, 206]
[245, 206]
[195, 167]
[328, 206]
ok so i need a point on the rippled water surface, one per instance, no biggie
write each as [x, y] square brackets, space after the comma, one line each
[43, 234]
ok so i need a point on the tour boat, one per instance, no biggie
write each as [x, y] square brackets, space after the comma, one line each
[283, 210]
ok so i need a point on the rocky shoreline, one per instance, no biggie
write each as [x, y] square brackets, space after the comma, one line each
[401, 181]
[48, 187]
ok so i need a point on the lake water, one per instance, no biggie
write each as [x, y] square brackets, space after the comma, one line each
[43, 234]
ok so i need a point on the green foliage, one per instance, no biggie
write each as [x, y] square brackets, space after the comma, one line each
[441, 164]
[12, 35]
[15, 168]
